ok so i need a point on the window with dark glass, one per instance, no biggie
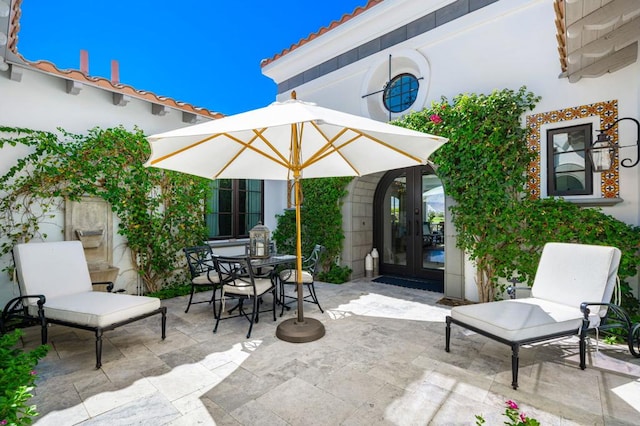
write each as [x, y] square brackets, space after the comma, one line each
[235, 206]
[568, 169]
[400, 93]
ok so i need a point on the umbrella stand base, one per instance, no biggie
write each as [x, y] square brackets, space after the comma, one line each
[300, 332]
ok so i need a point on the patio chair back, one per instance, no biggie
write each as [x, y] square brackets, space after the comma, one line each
[571, 274]
[53, 269]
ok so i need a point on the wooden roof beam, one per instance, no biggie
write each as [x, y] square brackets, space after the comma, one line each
[611, 63]
[604, 17]
[615, 40]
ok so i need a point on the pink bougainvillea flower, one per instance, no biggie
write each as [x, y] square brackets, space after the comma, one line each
[512, 404]
[435, 118]
[523, 418]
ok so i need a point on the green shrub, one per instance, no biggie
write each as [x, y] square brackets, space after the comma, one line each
[17, 379]
[336, 274]
[321, 220]
[160, 211]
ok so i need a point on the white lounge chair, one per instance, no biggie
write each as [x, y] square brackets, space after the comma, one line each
[55, 287]
[569, 280]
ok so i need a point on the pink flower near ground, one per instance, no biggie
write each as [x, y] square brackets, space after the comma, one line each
[512, 405]
[435, 118]
[523, 418]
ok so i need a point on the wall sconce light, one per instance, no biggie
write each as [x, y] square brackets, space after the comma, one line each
[602, 151]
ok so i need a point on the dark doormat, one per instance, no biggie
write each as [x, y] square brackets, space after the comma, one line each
[437, 286]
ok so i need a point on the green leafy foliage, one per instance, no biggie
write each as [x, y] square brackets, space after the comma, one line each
[321, 223]
[336, 274]
[159, 211]
[483, 168]
[17, 379]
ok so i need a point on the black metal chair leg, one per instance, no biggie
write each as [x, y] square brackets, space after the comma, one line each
[164, 322]
[190, 299]
[253, 316]
[312, 291]
[274, 304]
[447, 337]
[515, 348]
[98, 348]
[583, 348]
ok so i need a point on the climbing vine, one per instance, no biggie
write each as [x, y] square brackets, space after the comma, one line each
[321, 224]
[159, 211]
[483, 168]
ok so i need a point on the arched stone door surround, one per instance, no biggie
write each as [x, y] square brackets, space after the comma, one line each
[357, 224]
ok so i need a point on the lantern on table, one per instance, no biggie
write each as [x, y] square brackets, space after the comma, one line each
[259, 241]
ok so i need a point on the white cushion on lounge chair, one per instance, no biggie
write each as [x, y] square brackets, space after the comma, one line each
[96, 309]
[567, 275]
[575, 273]
[520, 319]
[59, 271]
[53, 269]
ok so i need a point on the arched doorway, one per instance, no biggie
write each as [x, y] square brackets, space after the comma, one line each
[409, 224]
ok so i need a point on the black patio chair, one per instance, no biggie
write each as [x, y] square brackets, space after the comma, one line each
[288, 278]
[241, 284]
[203, 272]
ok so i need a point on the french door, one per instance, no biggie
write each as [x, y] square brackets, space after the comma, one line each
[409, 223]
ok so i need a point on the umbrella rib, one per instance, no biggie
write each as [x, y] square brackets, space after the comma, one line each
[331, 147]
[266, 141]
[328, 149]
[247, 145]
[179, 151]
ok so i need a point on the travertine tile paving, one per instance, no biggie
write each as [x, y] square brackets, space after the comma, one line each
[382, 362]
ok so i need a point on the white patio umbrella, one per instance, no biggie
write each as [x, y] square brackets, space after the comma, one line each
[291, 140]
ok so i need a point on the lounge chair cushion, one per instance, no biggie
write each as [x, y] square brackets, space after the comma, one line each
[520, 319]
[59, 271]
[54, 269]
[571, 274]
[96, 309]
[567, 276]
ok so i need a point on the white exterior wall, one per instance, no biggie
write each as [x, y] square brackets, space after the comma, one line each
[507, 44]
[40, 101]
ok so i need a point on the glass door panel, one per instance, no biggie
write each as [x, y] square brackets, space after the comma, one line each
[409, 223]
[395, 222]
[432, 222]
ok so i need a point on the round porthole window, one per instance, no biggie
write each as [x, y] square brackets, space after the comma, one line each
[401, 93]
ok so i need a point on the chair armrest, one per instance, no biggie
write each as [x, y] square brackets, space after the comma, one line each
[16, 308]
[614, 318]
[109, 285]
[511, 290]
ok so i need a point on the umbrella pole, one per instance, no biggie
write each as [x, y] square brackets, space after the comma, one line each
[299, 330]
[299, 289]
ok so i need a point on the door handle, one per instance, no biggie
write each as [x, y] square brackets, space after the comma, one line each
[417, 228]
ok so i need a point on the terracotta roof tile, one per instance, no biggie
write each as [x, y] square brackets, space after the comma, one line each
[104, 83]
[346, 17]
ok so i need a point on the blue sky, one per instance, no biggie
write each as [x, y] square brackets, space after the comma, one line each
[204, 52]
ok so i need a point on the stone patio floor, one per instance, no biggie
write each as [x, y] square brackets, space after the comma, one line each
[381, 362]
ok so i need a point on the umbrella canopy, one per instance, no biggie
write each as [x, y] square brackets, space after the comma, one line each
[290, 140]
[259, 145]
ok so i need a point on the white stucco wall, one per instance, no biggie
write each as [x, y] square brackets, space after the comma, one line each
[508, 44]
[40, 101]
